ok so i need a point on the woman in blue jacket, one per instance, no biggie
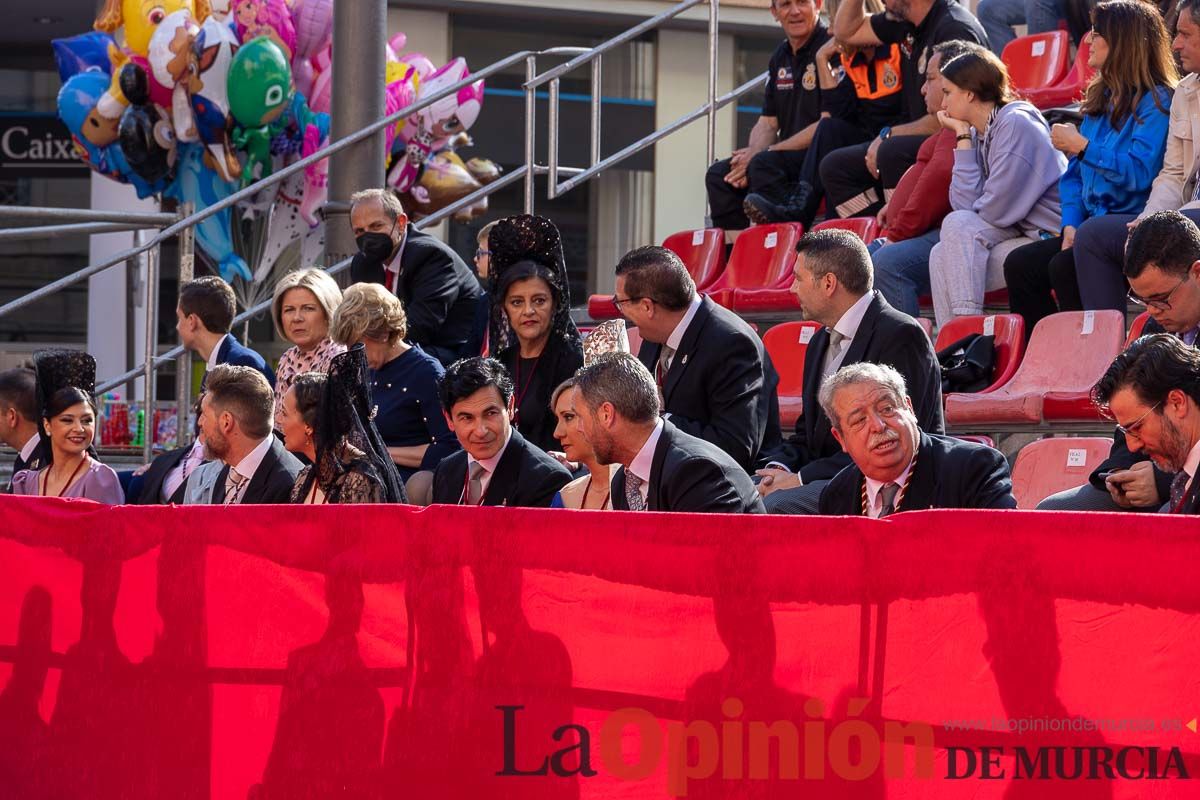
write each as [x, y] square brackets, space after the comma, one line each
[1114, 155]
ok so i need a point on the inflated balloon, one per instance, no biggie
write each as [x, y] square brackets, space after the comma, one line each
[202, 187]
[140, 18]
[313, 21]
[87, 51]
[147, 138]
[212, 56]
[430, 129]
[270, 18]
[316, 178]
[286, 226]
[447, 179]
[403, 87]
[322, 88]
[260, 90]
[171, 64]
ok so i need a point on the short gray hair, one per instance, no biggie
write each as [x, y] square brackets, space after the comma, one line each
[317, 281]
[862, 372]
[622, 380]
[386, 199]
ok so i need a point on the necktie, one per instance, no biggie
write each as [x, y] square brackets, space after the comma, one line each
[633, 492]
[235, 485]
[1178, 487]
[833, 353]
[887, 495]
[475, 487]
[1189, 337]
[664, 365]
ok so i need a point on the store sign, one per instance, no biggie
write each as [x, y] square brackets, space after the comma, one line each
[37, 146]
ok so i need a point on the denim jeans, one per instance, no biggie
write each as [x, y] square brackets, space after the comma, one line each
[902, 270]
[999, 16]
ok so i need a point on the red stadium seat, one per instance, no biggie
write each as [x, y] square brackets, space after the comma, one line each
[866, 228]
[1049, 466]
[635, 339]
[762, 259]
[986, 441]
[702, 252]
[787, 344]
[926, 325]
[1078, 406]
[1067, 354]
[1070, 88]
[1037, 61]
[1009, 333]
[1135, 330]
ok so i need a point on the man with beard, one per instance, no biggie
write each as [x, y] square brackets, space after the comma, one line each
[617, 410]
[235, 420]
[897, 466]
[1152, 390]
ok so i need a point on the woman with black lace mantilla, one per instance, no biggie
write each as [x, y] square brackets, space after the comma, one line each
[328, 418]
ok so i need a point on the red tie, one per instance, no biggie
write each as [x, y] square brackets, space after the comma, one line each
[389, 280]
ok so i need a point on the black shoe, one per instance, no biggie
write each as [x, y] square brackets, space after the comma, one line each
[760, 210]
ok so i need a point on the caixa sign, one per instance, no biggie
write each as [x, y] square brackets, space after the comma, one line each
[37, 146]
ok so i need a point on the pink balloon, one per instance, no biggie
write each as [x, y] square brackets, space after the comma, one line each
[313, 21]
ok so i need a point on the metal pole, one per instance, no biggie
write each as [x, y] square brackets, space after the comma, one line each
[530, 131]
[713, 9]
[596, 92]
[552, 140]
[359, 62]
[43, 215]
[153, 256]
[183, 366]
[70, 229]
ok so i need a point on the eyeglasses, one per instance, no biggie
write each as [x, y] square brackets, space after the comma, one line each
[619, 303]
[480, 253]
[1157, 303]
[1132, 428]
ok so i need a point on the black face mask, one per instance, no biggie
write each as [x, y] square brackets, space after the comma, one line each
[376, 246]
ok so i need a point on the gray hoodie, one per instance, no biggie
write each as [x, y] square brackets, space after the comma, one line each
[1021, 184]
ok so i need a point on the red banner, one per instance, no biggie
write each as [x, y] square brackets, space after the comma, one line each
[376, 651]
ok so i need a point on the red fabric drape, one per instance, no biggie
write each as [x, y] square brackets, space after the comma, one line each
[370, 651]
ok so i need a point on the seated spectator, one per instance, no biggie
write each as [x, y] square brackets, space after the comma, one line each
[438, 291]
[770, 163]
[1152, 392]
[327, 418]
[496, 466]
[235, 420]
[710, 366]
[1114, 156]
[860, 94]
[404, 378]
[1100, 241]
[833, 285]
[478, 344]
[662, 468]
[204, 317]
[18, 419]
[1163, 267]
[895, 465]
[999, 16]
[911, 219]
[532, 333]
[66, 382]
[859, 178]
[593, 489]
[164, 480]
[303, 305]
[1005, 186]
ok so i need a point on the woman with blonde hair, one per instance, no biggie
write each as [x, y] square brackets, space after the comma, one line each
[302, 309]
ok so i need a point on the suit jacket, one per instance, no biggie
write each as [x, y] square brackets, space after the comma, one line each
[39, 459]
[200, 485]
[1191, 501]
[690, 474]
[235, 353]
[439, 292]
[715, 389]
[146, 489]
[885, 336]
[272, 481]
[525, 477]
[949, 473]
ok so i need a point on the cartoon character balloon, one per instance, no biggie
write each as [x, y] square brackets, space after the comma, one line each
[260, 90]
[270, 18]
[212, 56]
[201, 186]
[171, 65]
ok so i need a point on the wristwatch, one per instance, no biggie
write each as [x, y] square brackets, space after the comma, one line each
[885, 133]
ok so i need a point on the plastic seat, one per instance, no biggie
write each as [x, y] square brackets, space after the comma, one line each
[1037, 61]
[761, 260]
[1135, 330]
[1060, 360]
[1070, 88]
[702, 252]
[1078, 406]
[866, 228]
[1049, 466]
[635, 339]
[786, 344]
[1008, 331]
[926, 325]
[986, 441]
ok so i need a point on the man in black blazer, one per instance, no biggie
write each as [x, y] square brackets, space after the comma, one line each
[203, 319]
[439, 292]
[833, 280]
[894, 465]
[235, 421]
[496, 466]
[709, 365]
[19, 420]
[1151, 390]
[617, 410]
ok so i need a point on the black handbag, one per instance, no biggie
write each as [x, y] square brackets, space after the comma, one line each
[967, 364]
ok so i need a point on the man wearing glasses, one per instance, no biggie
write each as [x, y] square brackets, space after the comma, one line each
[1152, 390]
[1162, 265]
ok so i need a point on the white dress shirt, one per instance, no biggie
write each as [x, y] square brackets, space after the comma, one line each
[212, 357]
[489, 467]
[874, 500]
[30, 446]
[644, 460]
[175, 478]
[251, 461]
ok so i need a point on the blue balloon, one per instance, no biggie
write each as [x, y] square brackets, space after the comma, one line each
[83, 53]
[202, 187]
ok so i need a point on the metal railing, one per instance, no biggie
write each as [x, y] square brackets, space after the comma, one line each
[167, 225]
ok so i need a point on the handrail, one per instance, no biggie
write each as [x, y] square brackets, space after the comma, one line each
[70, 229]
[147, 219]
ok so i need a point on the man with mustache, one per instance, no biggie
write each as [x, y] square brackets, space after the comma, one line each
[1152, 390]
[897, 466]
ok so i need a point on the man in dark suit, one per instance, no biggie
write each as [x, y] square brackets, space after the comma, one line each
[204, 317]
[497, 466]
[709, 365]
[833, 281]
[1162, 264]
[663, 468]
[439, 292]
[235, 420]
[19, 419]
[1152, 391]
[895, 466]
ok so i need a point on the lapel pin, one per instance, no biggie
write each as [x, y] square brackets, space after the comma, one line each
[685, 359]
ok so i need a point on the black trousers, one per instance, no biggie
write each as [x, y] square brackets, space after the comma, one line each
[832, 134]
[850, 190]
[1032, 272]
[772, 174]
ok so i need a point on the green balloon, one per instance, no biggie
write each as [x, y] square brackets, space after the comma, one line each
[259, 83]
